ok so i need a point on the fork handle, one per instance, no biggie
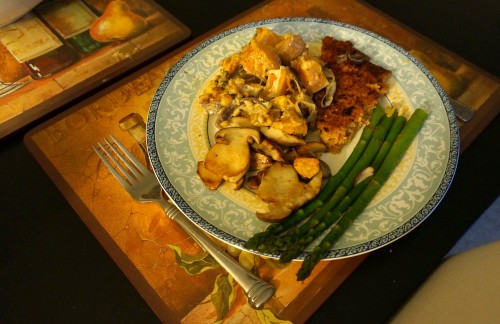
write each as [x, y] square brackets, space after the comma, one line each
[257, 290]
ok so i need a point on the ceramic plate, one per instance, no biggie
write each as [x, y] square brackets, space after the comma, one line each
[179, 134]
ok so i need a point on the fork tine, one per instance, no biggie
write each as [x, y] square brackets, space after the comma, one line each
[131, 157]
[118, 177]
[132, 174]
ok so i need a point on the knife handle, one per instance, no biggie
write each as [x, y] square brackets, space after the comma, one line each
[462, 111]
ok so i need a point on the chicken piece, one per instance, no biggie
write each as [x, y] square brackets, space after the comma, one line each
[281, 188]
[291, 120]
[256, 59]
[265, 36]
[279, 82]
[310, 73]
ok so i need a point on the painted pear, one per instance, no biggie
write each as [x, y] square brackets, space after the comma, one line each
[118, 22]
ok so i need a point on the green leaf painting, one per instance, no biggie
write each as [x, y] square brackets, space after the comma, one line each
[222, 296]
[194, 263]
[267, 317]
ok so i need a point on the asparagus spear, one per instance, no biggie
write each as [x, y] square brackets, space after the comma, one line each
[347, 183]
[394, 156]
[298, 216]
[398, 125]
[331, 217]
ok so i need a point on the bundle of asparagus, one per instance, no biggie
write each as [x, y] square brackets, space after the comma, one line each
[382, 145]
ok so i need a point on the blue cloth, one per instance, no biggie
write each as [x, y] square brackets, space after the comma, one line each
[486, 229]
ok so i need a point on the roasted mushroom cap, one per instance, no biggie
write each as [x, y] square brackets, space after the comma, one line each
[211, 180]
[281, 137]
[269, 148]
[229, 158]
[281, 188]
[259, 161]
[312, 148]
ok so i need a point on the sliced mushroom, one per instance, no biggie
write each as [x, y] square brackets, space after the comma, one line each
[253, 182]
[312, 148]
[307, 107]
[280, 137]
[269, 148]
[211, 180]
[290, 155]
[224, 115]
[229, 157]
[238, 184]
[259, 161]
[281, 188]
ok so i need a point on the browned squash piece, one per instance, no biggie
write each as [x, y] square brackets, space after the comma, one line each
[265, 36]
[306, 167]
[256, 59]
[310, 73]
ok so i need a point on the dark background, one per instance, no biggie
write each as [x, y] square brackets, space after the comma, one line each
[52, 269]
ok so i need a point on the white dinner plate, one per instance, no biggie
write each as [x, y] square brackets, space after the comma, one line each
[179, 135]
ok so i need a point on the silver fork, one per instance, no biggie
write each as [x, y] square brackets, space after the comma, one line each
[143, 186]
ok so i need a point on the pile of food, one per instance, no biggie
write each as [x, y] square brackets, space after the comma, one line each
[268, 98]
[262, 98]
[278, 107]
